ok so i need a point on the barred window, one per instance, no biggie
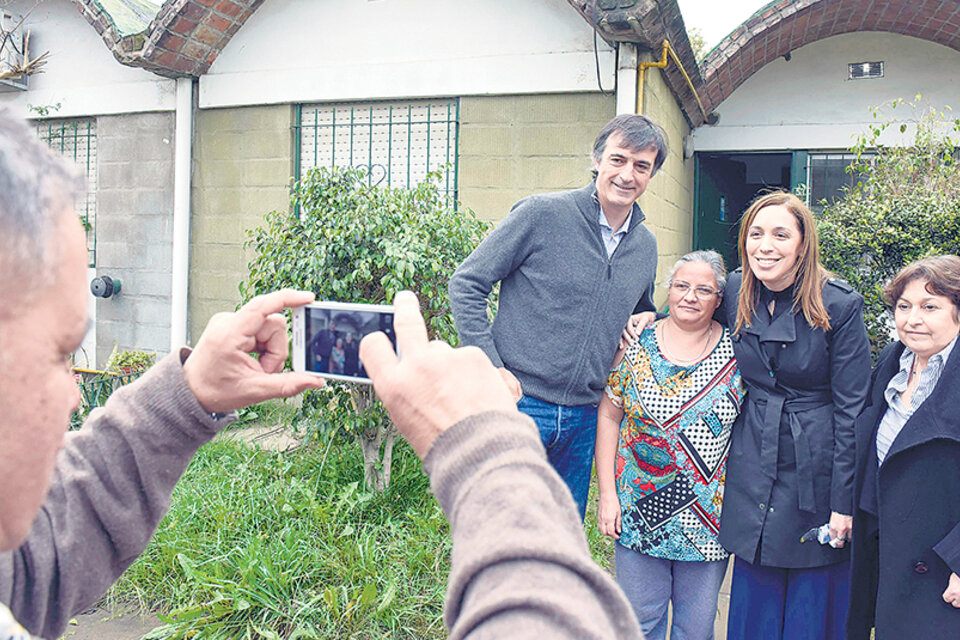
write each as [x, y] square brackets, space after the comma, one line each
[397, 142]
[827, 175]
[76, 139]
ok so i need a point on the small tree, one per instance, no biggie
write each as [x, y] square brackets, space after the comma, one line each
[350, 241]
[906, 206]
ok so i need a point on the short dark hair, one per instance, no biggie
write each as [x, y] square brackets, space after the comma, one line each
[941, 274]
[638, 132]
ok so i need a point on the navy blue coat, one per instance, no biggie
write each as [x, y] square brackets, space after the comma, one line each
[902, 560]
[792, 449]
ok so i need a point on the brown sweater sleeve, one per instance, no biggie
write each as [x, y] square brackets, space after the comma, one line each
[521, 567]
[111, 487]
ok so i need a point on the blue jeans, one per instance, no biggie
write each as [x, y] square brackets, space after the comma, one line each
[651, 583]
[569, 435]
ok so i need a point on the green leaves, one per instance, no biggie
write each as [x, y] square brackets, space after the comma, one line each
[357, 243]
[354, 242]
[906, 207]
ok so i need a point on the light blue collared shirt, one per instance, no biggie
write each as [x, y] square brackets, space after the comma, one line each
[611, 239]
[897, 413]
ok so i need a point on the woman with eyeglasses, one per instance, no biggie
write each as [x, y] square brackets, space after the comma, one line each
[663, 429]
[802, 348]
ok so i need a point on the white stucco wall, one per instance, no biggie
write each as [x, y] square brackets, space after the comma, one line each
[808, 102]
[297, 51]
[81, 74]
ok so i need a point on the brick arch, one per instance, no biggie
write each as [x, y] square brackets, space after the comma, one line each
[784, 25]
[183, 39]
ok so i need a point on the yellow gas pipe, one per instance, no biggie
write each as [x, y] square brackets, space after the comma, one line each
[661, 64]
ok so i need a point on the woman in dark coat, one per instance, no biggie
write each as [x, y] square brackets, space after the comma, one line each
[803, 352]
[906, 538]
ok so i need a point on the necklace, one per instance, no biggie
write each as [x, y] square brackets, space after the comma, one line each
[682, 361]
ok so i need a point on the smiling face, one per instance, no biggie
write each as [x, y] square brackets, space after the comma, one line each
[926, 322]
[37, 389]
[622, 175]
[690, 303]
[773, 246]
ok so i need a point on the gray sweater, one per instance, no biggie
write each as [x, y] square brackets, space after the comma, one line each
[520, 566]
[563, 302]
[114, 478]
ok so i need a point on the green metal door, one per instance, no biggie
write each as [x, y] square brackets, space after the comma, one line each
[715, 222]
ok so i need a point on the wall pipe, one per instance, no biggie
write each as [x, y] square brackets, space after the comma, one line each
[661, 64]
[182, 170]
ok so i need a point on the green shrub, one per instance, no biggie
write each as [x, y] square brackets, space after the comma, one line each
[906, 206]
[130, 361]
[349, 241]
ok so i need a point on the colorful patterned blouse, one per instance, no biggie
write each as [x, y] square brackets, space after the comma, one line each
[9, 629]
[672, 453]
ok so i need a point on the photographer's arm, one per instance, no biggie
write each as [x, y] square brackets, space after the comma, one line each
[520, 563]
[113, 479]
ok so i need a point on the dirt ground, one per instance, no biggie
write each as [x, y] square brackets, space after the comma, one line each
[102, 625]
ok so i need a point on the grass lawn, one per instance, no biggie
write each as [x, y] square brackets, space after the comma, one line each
[267, 545]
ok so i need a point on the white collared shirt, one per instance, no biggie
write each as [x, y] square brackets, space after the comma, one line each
[897, 413]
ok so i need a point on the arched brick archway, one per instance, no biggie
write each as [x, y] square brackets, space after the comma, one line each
[785, 25]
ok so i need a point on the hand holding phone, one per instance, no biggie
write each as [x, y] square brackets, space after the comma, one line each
[327, 335]
[431, 386]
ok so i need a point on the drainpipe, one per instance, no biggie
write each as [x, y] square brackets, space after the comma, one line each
[182, 169]
[627, 78]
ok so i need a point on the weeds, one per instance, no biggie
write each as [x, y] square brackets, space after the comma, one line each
[262, 545]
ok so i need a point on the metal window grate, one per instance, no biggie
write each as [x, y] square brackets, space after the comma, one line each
[76, 139]
[827, 175]
[863, 70]
[397, 142]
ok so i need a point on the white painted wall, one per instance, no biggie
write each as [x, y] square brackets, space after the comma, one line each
[808, 102]
[82, 75]
[306, 51]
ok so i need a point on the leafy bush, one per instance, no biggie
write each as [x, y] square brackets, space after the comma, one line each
[130, 361]
[347, 240]
[906, 206]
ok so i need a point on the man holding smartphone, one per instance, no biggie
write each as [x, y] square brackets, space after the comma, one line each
[572, 267]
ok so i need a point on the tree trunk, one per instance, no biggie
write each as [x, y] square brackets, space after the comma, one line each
[376, 467]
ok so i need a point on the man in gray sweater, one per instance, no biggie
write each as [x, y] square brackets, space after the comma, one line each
[77, 509]
[572, 267]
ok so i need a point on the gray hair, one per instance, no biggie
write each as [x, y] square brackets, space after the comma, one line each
[36, 187]
[712, 258]
[638, 132]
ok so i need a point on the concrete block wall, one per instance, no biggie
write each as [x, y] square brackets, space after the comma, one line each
[512, 146]
[243, 168]
[668, 202]
[135, 230]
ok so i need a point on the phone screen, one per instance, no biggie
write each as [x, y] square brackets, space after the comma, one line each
[327, 337]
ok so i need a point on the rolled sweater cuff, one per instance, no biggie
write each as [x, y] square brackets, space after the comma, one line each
[475, 444]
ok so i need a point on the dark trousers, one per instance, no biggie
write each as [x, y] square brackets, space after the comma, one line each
[767, 603]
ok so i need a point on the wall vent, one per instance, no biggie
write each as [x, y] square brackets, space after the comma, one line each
[863, 70]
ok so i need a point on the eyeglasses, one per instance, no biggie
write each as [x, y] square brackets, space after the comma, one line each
[701, 293]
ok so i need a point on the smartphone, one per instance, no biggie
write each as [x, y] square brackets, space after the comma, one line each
[327, 335]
